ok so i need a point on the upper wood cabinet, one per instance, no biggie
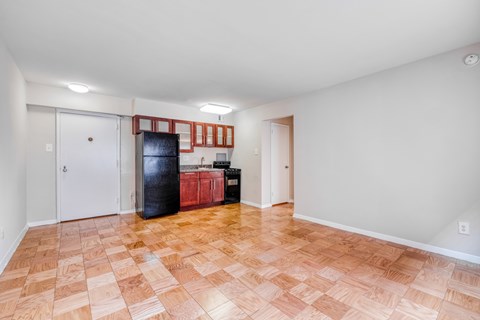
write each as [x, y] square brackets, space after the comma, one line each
[229, 137]
[192, 134]
[199, 134]
[224, 136]
[185, 130]
[142, 123]
[153, 124]
[203, 134]
[163, 125]
[220, 136]
[209, 135]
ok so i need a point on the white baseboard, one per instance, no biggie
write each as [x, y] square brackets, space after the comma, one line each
[11, 251]
[128, 211]
[386, 237]
[256, 205]
[41, 223]
[290, 201]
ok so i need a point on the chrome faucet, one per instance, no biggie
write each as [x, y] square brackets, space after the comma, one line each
[201, 161]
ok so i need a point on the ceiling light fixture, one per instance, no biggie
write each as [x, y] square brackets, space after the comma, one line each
[471, 60]
[215, 108]
[78, 87]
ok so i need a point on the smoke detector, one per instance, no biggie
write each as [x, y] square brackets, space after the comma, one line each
[471, 60]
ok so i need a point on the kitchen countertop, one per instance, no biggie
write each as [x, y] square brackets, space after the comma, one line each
[200, 170]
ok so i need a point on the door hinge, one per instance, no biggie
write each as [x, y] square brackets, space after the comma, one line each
[118, 163]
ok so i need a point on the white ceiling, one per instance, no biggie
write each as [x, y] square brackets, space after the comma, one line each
[241, 53]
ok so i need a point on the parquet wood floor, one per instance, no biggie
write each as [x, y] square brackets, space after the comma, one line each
[228, 262]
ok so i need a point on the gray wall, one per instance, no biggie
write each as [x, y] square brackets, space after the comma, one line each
[13, 125]
[41, 197]
[396, 152]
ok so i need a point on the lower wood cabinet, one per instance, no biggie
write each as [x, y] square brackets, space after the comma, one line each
[201, 188]
[188, 189]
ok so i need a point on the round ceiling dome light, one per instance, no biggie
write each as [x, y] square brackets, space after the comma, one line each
[471, 60]
[78, 87]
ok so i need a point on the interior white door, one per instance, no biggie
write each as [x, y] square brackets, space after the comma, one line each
[280, 163]
[88, 182]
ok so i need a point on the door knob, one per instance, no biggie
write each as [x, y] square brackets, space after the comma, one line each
[286, 167]
[64, 169]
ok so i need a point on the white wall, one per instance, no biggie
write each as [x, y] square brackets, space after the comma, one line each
[395, 153]
[41, 203]
[48, 96]
[13, 125]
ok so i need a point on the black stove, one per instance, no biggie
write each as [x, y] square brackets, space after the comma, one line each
[232, 181]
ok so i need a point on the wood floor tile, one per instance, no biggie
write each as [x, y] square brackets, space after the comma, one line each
[250, 302]
[463, 300]
[228, 262]
[331, 307]
[305, 293]
[146, 309]
[135, 289]
[70, 303]
[289, 304]
[415, 310]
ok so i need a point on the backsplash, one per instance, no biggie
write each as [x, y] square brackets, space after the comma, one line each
[194, 158]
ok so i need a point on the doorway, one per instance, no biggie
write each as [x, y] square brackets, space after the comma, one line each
[88, 165]
[279, 159]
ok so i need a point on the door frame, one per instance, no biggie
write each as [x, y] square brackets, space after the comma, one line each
[58, 112]
[272, 124]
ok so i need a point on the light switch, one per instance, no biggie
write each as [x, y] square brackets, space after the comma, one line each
[49, 147]
[255, 151]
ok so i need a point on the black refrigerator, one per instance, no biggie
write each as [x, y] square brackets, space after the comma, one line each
[157, 175]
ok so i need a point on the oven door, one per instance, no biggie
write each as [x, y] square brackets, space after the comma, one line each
[232, 188]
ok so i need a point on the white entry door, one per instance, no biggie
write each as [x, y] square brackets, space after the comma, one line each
[280, 163]
[88, 166]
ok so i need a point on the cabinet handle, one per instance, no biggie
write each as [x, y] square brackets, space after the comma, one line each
[213, 184]
[189, 173]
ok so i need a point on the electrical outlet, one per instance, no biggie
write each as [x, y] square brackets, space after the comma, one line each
[2, 234]
[463, 227]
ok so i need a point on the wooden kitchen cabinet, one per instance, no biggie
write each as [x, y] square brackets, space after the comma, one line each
[199, 134]
[218, 193]
[209, 135]
[163, 125]
[224, 136]
[189, 189]
[201, 189]
[220, 136]
[229, 136]
[205, 192]
[185, 130]
[211, 187]
[142, 123]
[151, 124]
[192, 134]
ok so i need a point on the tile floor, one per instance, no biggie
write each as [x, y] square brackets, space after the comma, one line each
[230, 262]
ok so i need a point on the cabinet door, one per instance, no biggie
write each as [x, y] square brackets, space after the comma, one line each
[218, 189]
[188, 192]
[199, 134]
[205, 194]
[220, 136]
[229, 137]
[163, 125]
[142, 123]
[209, 135]
[185, 130]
